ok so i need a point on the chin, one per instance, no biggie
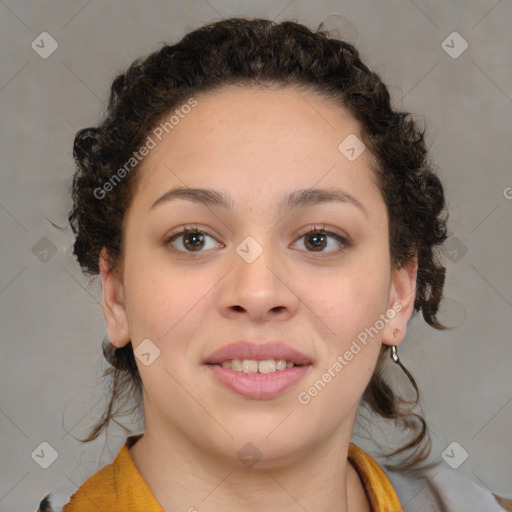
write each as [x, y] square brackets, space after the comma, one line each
[257, 449]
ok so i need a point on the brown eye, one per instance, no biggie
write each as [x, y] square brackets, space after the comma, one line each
[190, 240]
[317, 239]
[193, 241]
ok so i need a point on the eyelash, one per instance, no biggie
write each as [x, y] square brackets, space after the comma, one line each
[314, 230]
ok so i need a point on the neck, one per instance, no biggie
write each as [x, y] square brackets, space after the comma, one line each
[183, 477]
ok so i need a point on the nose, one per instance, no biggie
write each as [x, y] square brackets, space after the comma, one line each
[262, 290]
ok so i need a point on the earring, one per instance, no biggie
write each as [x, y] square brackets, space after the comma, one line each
[394, 354]
[395, 332]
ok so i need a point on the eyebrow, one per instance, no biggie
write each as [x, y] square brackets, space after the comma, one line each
[297, 198]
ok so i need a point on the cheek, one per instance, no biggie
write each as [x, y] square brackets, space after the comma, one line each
[349, 300]
[350, 308]
[166, 305]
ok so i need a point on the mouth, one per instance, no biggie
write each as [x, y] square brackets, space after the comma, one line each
[258, 371]
[255, 366]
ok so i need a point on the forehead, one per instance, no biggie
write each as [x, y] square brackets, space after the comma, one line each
[235, 118]
[251, 138]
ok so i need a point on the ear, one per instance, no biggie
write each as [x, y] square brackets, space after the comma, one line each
[113, 304]
[402, 294]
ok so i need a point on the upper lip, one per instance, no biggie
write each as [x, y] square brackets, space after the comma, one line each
[257, 350]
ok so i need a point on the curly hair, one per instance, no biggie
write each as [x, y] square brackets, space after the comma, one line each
[260, 52]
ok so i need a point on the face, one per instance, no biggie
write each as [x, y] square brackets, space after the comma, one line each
[313, 275]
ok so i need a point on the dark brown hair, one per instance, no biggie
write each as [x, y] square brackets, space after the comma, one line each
[260, 52]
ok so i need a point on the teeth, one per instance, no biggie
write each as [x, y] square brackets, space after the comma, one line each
[267, 366]
[281, 364]
[249, 366]
[236, 364]
[253, 366]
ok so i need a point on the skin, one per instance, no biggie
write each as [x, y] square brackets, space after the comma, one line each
[256, 145]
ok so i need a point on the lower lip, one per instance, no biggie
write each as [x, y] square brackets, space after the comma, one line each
[259, 385]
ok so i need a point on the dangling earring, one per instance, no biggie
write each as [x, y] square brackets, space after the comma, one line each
[394, 350]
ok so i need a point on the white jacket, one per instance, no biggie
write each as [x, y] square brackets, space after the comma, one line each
[445, 491]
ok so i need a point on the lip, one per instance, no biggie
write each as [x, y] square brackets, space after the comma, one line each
[259, 351]
[258, 386]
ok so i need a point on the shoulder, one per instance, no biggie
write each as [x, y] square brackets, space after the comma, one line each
[96, 488]
[116, 483]
[446, 490]
[55, 501]
[379, 490]
[441, 490]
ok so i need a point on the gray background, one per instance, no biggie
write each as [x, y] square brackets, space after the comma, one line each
[51, 320]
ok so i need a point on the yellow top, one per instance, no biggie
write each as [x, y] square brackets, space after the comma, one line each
[120, 487]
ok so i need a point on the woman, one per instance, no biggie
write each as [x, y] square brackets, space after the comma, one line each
[264, 226]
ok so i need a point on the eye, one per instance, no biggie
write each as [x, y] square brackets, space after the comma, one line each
[193, 240]
[190, 240]
[317, 239]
